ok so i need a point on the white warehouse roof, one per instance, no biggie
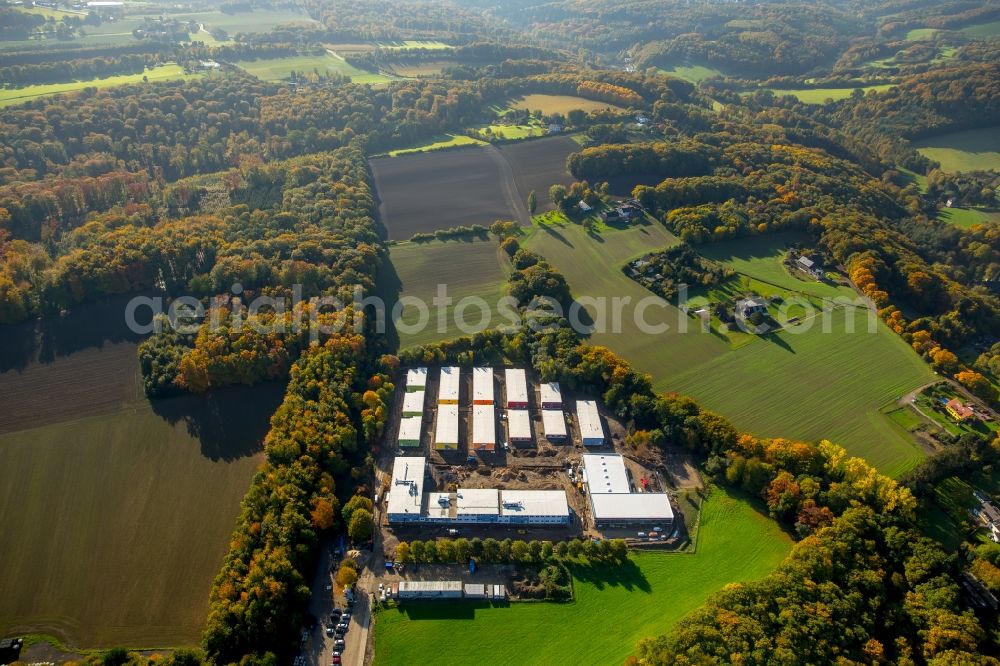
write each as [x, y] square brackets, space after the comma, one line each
[406, 490]
[430, 586]
[448, 388]
[631, 506]
[550, 394]
[554, 423]
[416, 378]
[446, 431]
[409, 429]
[482, 386]
[516, 386]
[413, 403]
[484, 428]
[533, 503]
[519, 424]
[438, 506]
[478, 501]
[590, 420]
[606, 473]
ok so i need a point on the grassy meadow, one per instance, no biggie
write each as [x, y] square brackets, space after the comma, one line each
[615, 606]
[415, 44]
[969, 150]
[692, 73]
[438, 143]
[991, 29]
[820, 95]
[168, 72]
[469, 268]
[563, 104]
[967, 217]
[277, 69]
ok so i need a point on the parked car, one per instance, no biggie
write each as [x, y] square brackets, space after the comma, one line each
[641, 535]
[335, 661]
[342, 628]
[329, 629]
[346, 617]
[339, 644]
[336, 612]
[657, 529]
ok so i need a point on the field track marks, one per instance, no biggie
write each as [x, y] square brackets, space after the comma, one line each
[509, 186]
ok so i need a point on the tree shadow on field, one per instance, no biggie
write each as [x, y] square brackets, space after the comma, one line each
[88, 325]
[550, 230]
[441, 609]
[774, 338]
[229, 423]
[388, 287]
[626, 574]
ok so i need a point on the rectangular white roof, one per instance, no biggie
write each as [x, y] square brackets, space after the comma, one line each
[446, 431]
[438, 506]
[482, 385]
[413, 402]
[554, 423]
[409, 428]
[484, 428]
[478, 501]
[550, 393]
[430, 586]
[516, 385]
[518, 424]
[533, 503]
[590, 420]
[407, 487]
[634, 506]
[416, 378]
[605, 473]
[448, 388]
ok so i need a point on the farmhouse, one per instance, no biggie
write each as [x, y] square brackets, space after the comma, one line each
[413, 403]
[748, 307]
[811, 266]
[409, 431]
[519, 425]
[482, 386]
[446, 432]
[591, 428]
[534, 507]
[416, 379]
[516, 388]
[612, 502]
[430, 589]
[477, 505]
[554, 425]
[484, 430]
[958, 410]
[551, 395]
[449, 385]
[403, 502]
[584, 206]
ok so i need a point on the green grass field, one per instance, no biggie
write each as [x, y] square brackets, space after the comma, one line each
[468, 269]
[56, 14]
[967, 217]
[549, 104]
[820, 95]
[438, 143]
[115, 526]
[613, 610]
[921, 34]
[277, 69]
[970, 150]
[991, 29]
[168, 72]
[413, 44]
[513, 132]
[692, 73]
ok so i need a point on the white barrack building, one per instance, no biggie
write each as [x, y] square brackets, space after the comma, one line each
[482, 386]
[516, 387]
[413, 403]
[612, 500]
[439, 508]
[519, 425]
[410, 428]
[406, 492]
[484, 429]
[477, 505]
[551, 396]
[534, 507]
[591, 428]
[554, 425]
[430, 589]
[416, 379]
[446, 428]
[449, 385]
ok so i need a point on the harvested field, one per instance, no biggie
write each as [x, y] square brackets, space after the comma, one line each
[549, 104]
[540, 164]
[444, 189]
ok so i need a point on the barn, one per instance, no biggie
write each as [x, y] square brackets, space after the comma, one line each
[409, 431]
[554, 425]
[446, 430]
[516, 386]
[449, 385]
[519, 426]
[484, 429]
[482, 386]
[591, 428]
[551, 396]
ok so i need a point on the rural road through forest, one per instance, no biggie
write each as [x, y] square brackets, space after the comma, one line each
[509, 186]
